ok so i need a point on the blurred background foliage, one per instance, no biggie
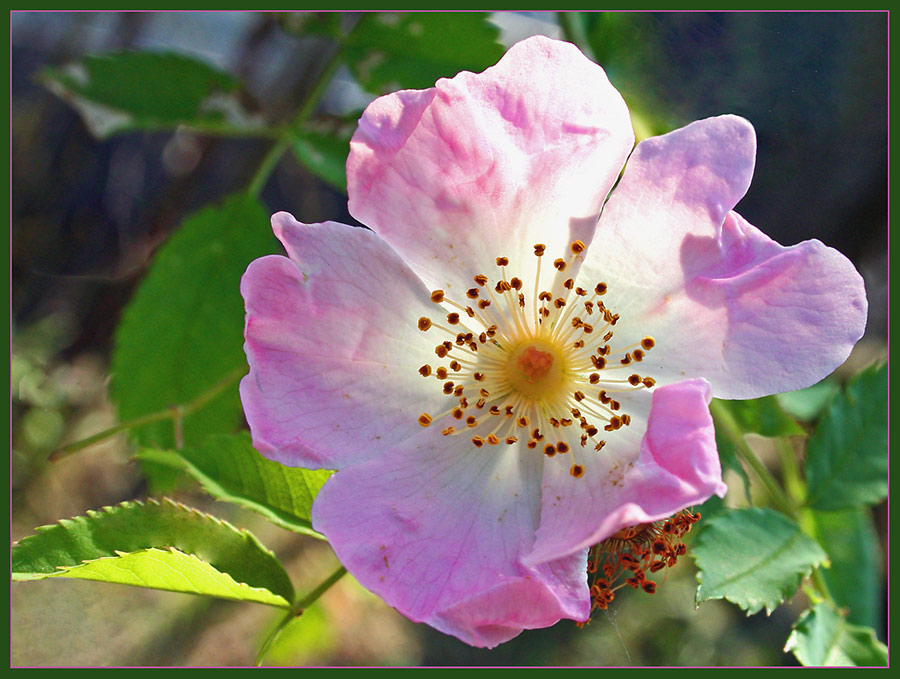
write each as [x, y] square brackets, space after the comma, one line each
[88, 213]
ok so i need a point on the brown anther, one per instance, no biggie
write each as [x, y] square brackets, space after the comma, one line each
[511, 439]
[626, 419]
[479, 377]
[559, 302]
[481, 279]
[502, 286]
[600, 445]
[502, 261]
[515, 283]
[581, 292]
[577, 247]
[521, 300]
[484, 392]
[459, 390]
[539, 249]
[458, 413]
[626, 359]
[532, 444]
[600, 288]
[425, 370]
[508, 411]
[637, 355]
[657, 566]
[587, 328]
[578, 344]
[492, 439]
[562, 447]
[594, 378]
[648, 343]
[537, 435]
[453, 318]
[560, 264]
[483, 303]
[440, 350]
[604, 350]
[522, 421]
[448, 431]
[579, 396]
[480, 403]
[437, 296]
[549, 450]
[569, 284]
[448, 387]
[545, 312]
[603, 397]
[634, 380]
[608, 336]
[471, 421]
[494, 410]
[614, 405]
[470, 312]
[648, 382]
[649, 587]
[591, 431]
[599, 362]
[545, 296]
[478, 441]
[577, 471]
[565, 421]
[424, 324]
[472, 293]
[441, 373]
[455, 366]
[425, 419]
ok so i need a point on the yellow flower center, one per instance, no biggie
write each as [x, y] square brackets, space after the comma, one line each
[533, 364]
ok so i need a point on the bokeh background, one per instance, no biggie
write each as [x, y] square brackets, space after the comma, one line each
[88, 214]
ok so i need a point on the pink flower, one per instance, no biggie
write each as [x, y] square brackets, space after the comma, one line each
[501, 381]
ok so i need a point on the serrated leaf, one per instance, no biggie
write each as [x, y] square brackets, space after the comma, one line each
[62, 550]
[170, 570]
[182, 333]
[325, 155]
[392, 51]
[847, 455]
[754, 558]
[807, 404]
[854, 578]
[123, 91]
[821, 637]
[230, 469]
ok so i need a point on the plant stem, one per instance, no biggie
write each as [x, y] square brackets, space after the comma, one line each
[726, 424]
[793, 482]
[174, 413]
[297, 610]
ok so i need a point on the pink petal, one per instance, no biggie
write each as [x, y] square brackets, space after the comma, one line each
[721, 299]
[438, 535]
[487, 165]
[678, 466]
[333, 347]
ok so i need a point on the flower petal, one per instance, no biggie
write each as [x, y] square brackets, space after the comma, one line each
[678, 466]
[484, 165]
[721, 299]
[333, 347]
[438, 534]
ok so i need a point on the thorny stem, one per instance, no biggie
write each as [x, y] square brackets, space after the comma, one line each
[297, 610]
[175, 413]
[726, 424]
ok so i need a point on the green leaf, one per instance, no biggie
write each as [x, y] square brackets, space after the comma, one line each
[182, 333]
[821, 637]
[854, 578]
[392, 51]
[807, 404]
[325, 155]
[162, 545]
[754, 558]
[123, 91]
[230, 469]
[847, 455]
[763, 416]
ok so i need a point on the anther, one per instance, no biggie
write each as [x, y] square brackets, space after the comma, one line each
[502, 261]
[560, 264]
[577, 247]
[634, 380]
[648, 343]
[424, 324]
[481, 279]
[562, 447]
[453, 318]
[577, 471]
[441, 373]
[425, 370]
[549, 450]
[478, 441]
[437, 296]
[539, 249]
[424, 419]
[492, 439]
[600, 288]
[472, 293]
[648, 382]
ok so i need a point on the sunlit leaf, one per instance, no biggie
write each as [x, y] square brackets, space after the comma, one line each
[755, 558]
[821, 637]
[230, 469]
[391, 51]
[182, 333]
[162, 545]
[763, 416]
[847, 455]
[123, 91]
[325, 154]
[807, 404]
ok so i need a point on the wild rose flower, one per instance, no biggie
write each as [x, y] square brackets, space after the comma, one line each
[502, 381]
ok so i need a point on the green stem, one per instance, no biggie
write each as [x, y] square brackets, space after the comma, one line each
[726, 424]
[323, 80]
[297, 610]
[174, 413]
[790, 471]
